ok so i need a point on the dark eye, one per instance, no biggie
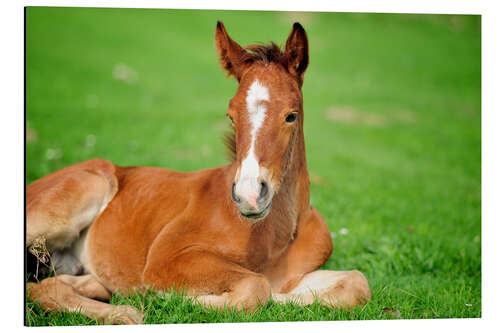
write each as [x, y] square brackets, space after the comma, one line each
[232, 121]
[291, 117]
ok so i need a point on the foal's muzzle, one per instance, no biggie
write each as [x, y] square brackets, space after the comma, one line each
[255, 204]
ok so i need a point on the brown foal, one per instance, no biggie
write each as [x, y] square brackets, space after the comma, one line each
[237, 235]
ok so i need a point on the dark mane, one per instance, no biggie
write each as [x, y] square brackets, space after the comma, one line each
[270, 53]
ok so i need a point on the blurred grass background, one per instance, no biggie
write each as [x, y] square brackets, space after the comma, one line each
[393, 133]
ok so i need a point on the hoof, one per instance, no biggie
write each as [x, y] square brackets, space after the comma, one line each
[124, 315]
[351, 291]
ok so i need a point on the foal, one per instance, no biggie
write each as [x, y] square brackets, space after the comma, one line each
[237, 235]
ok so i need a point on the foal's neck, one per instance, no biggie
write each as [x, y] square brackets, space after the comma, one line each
[295, 184]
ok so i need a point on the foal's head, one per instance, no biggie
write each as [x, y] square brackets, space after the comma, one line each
[266, 113]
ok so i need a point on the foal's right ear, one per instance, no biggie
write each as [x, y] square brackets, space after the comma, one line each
[231, 55]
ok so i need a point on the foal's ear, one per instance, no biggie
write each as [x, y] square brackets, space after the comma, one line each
[231, 54]
[297, 52]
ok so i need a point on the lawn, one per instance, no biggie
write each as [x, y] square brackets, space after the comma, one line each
[392, 128]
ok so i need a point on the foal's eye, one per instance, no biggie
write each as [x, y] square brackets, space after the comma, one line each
[291, 117]
[232, 121]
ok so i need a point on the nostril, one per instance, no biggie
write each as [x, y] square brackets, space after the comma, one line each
[233, 195]
[263, 189]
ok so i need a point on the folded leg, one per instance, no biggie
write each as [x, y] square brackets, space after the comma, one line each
[60, 205]
[295, 276]
[209, 279]
[76, 293]
[336, 288]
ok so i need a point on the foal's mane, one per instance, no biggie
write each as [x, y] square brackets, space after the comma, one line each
[263, 53]
[270, 53]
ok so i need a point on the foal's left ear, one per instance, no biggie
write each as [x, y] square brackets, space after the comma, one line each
[297, 52]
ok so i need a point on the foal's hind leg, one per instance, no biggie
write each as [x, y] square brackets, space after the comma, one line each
[75, 293]
[59, 206]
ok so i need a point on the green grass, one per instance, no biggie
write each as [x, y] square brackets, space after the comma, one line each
[393, 135]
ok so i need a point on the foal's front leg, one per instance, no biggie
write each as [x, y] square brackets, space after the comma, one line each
[337, 288]
[209, 279]
[295, 276]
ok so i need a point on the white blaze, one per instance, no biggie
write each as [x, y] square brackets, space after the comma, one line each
[248, 185]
